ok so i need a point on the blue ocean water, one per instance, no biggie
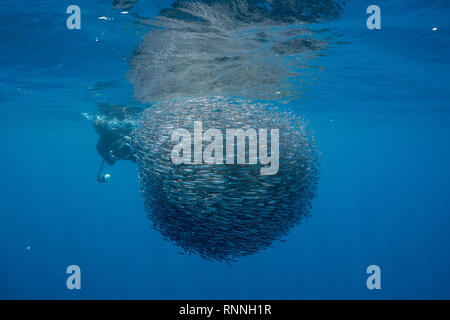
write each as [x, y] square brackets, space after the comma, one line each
[377, 100]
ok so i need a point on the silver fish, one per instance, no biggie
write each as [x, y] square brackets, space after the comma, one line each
[223, 212]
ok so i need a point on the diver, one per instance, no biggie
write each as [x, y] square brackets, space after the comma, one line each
[114, 140]
[114, 126]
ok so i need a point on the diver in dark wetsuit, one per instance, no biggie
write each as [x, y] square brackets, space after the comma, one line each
[114, 126]
[115, 141]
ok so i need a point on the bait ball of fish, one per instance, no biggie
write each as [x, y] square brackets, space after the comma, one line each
[223, 211]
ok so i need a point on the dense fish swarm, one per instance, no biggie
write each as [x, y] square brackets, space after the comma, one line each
[223, 211]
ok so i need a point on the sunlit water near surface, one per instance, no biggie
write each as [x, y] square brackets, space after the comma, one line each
[378, 102]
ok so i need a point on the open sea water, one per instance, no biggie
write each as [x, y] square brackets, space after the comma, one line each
[377, 100]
